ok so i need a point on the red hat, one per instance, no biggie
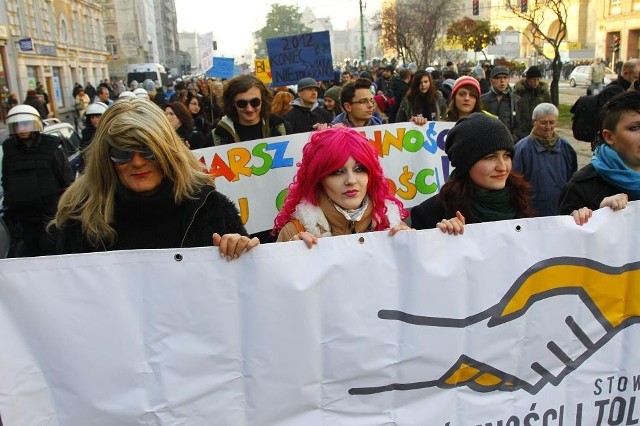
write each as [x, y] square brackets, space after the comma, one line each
[381, 100]
[465, 81]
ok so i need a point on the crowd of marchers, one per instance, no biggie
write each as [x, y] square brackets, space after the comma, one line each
[139, 185]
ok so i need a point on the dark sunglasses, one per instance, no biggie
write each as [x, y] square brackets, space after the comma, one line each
[242, 103]
[120, 156]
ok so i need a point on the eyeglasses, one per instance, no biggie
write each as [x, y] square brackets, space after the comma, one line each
[120, 156]
[369, 101]
[242, 103]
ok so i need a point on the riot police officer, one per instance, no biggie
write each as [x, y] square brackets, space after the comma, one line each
[35, 172]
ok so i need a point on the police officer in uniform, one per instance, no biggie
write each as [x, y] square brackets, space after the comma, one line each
[35, 172]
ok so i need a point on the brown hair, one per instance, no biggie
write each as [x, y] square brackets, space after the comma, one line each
[183, 114]
[241, 84]
[281, 102]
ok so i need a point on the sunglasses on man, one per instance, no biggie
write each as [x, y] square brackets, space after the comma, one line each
[242, 103]
[120, 156]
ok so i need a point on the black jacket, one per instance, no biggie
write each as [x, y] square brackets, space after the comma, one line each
[302, 119]
[34, 177]
[586, 189]
[225, 133]
[192, 137]
[209, 212]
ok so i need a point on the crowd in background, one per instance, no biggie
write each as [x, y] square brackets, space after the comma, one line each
[504, 147]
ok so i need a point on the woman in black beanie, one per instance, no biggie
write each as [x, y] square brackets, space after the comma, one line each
[483, 187]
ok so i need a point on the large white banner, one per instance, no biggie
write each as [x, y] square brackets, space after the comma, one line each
[256, 174]
[526, 322]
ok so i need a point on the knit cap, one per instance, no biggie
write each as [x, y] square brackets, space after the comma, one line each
[333, 93]
[473, 138]
[533, 72]
[465, 81]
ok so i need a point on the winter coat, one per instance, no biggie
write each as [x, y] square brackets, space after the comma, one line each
[208, 213]
[506, 109]
[529, 99]
[302, 119]
[225, 132]
[343, 118]
[34, 177]
[586, 189]
[324, 220]
[405, 112]
[547, 170]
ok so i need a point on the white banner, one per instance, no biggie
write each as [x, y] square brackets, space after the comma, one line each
[256, 174]
[525, 322]
[205, 46]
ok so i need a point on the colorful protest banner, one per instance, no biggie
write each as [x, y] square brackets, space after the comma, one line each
[256, 174]
[263, 70]
[522, 322]
[221, 68]
[304, 55]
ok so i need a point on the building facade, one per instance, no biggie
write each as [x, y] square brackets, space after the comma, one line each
[54, 42]
[618, 18]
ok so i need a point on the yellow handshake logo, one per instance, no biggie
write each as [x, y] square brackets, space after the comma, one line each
[611, 296]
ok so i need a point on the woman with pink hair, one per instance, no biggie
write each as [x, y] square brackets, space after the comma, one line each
[339, 189]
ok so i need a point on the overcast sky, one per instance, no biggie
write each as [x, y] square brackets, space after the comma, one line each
[233, 21]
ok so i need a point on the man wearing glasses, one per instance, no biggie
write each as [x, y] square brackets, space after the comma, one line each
[247, 109]
[357, 103]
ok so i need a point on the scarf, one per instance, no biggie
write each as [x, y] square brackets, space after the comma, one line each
[489, 206]
[354, 215]
[548, 144]
[612, 169]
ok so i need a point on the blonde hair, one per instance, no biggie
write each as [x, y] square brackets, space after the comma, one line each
[130, 124]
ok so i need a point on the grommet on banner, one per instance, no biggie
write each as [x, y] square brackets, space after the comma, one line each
[177, 257]
[361, 240]
[518, 228]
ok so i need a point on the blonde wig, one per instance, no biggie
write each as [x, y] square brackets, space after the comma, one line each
[131, 124]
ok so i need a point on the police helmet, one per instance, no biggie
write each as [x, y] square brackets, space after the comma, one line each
[126, 94]
[141, 93]
[149, 85]
[23, 118]
[96, 108]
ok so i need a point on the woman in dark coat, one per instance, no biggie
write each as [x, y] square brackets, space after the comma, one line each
[483, 187]
[142, 188]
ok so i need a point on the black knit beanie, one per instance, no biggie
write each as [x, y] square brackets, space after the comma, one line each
[473, 138]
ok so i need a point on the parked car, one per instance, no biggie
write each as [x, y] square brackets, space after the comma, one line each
[580, 76]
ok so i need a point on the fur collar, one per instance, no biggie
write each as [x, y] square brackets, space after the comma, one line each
[314, 220]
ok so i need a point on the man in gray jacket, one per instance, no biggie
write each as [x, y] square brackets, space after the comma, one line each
[501, 101]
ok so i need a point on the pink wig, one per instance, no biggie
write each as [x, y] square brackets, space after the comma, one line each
[327, 151]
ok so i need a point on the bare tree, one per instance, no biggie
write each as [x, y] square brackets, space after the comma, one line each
[537, 14]
[411, 28]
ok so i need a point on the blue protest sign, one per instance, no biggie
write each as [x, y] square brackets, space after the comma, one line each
[222, 68]
[303, 55]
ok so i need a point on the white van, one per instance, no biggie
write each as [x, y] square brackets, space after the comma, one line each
[141, 72]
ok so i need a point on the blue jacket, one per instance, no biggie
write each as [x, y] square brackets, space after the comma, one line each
[548, 171]
[343, 119]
